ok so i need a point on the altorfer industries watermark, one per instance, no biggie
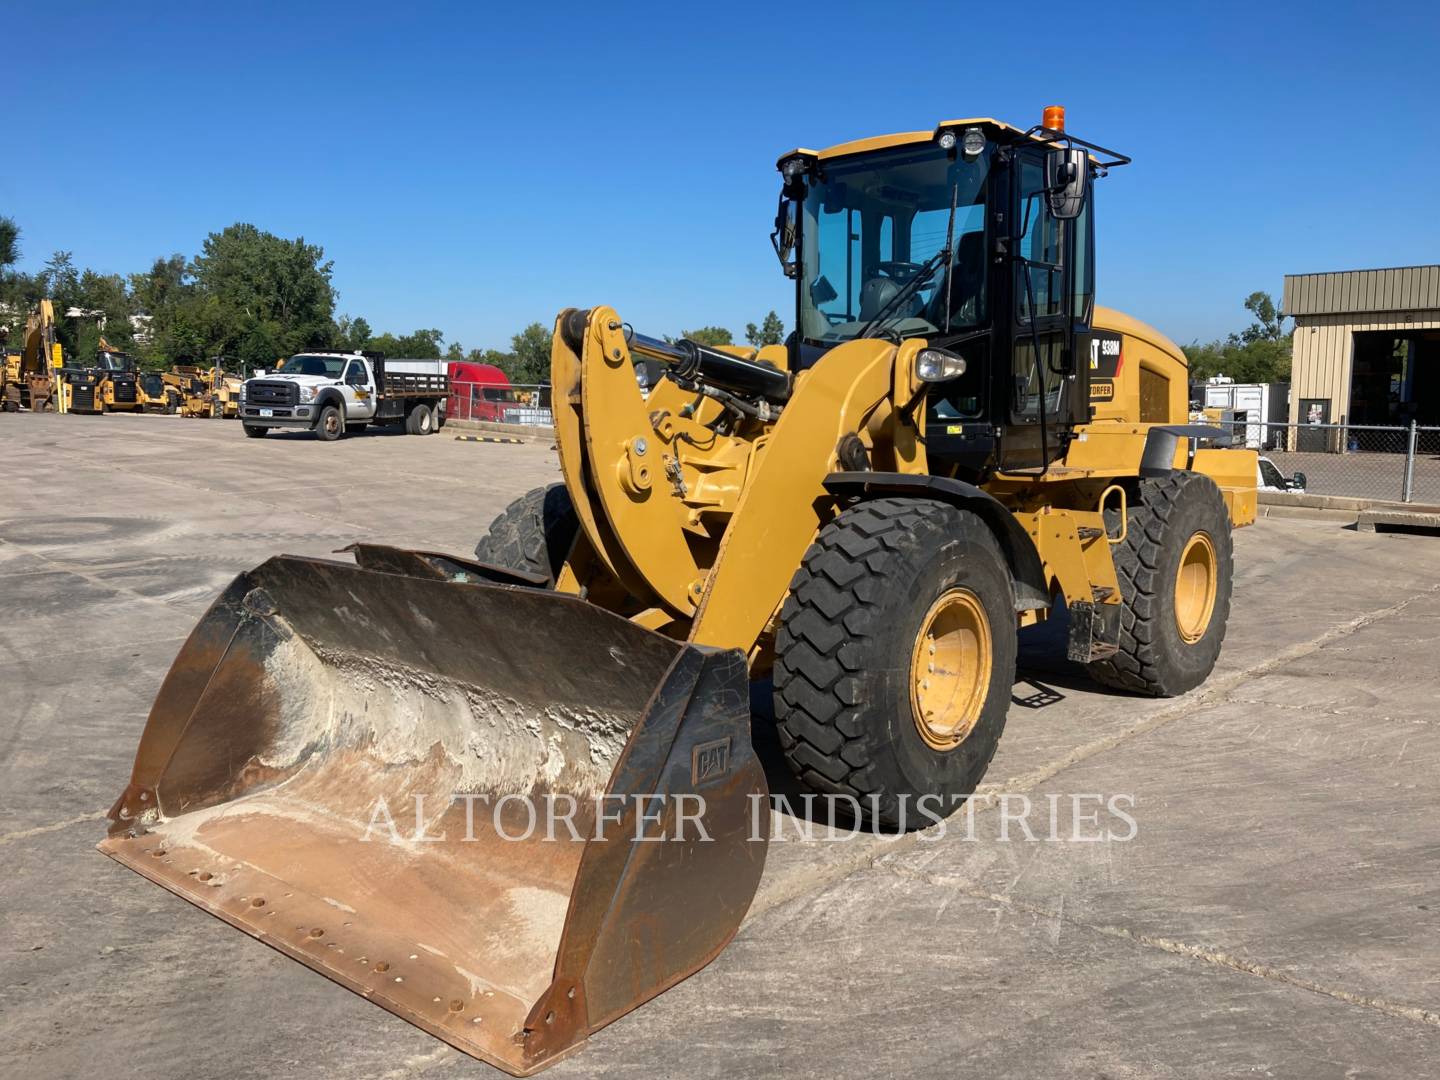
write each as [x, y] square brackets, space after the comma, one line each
[1074, 818]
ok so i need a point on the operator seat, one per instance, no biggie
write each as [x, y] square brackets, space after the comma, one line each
[965, 282]
[875, 294]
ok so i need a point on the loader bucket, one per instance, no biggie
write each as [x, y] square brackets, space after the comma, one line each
[344, 761]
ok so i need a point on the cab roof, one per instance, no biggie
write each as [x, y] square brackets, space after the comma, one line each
[903, 138]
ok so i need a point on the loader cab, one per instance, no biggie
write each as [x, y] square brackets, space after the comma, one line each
[977, 237]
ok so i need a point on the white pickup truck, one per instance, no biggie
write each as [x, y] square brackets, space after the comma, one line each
[335, 393]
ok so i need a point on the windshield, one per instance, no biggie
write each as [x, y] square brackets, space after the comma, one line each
[328, 367]
[872, 224]
[107, 361]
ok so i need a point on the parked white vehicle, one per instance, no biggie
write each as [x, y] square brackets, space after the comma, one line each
[332, 393]
[1270, 478]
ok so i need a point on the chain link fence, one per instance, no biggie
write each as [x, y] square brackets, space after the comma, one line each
[1387, 463]
[497, 404]
[1365, 462]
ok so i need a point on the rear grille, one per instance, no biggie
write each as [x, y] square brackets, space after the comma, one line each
[125, 391]
[272, 393]
[82, 396]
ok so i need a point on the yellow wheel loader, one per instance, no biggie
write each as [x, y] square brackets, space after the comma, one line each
[356, 763]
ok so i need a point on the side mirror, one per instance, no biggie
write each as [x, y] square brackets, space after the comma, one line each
[1067, 175]
[1298, 480]
[783, 238]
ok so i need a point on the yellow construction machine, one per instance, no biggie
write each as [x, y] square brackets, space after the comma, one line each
[30, 375]
[160, 391]
[207, 392]
[956, 443]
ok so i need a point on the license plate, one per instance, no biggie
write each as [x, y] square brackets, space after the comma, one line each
[267, 412]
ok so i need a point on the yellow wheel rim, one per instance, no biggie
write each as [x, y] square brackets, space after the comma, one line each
[1195, 586]
[950, 669]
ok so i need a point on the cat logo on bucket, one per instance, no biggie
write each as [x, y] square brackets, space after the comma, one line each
[709, 761]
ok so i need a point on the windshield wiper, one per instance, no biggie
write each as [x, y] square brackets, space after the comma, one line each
[925, 273]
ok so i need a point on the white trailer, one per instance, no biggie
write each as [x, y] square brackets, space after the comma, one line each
[1263, 409]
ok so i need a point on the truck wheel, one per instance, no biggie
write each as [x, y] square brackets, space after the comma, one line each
[419, 421]
[895, 659]
[255, 432]
[1176, 569]
[331, 425]
[534, 533]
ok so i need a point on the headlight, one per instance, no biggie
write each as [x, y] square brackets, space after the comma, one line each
[937, 365]
[307, 393]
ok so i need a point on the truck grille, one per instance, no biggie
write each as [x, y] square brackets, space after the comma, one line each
[272, 393]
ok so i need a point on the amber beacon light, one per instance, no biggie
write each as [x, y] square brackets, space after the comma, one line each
[1054, 118]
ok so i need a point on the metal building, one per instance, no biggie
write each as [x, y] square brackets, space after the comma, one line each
[1367, 346]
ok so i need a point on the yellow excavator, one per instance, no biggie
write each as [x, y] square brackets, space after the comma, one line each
[29, 380]
[358, 762]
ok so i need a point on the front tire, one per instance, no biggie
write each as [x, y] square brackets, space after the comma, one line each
[1176, 569]
[534, 533]
[895, 659]
[331, 424]
[255, 432]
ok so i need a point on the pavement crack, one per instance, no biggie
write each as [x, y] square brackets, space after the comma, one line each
[1213, 957]
[56, 826]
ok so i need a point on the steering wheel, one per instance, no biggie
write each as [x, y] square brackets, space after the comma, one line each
[899, 272]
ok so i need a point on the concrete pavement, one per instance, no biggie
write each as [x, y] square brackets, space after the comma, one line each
[1277, 911]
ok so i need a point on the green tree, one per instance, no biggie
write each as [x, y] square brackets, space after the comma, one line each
[103, 305]
[59, 280]
[709, 335]
[1269, 322]
[528, 361]
[273, 296]
[352, 334]
[771, 331]
[9, 242]
[419, 345]
[1258, 354]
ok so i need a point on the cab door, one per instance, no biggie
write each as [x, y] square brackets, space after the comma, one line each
[359, 391]
[1050, 310]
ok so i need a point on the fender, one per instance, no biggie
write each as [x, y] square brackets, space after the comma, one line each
[1031, 588]
[330, 396]
[1161, 441]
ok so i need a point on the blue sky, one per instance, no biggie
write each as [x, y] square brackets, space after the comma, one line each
[475, 167]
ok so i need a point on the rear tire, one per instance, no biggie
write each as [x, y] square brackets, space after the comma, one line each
[331, 424]
[534, 533]
[420, 420]
[255, 432]
[1163, 652]
[852, 639]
